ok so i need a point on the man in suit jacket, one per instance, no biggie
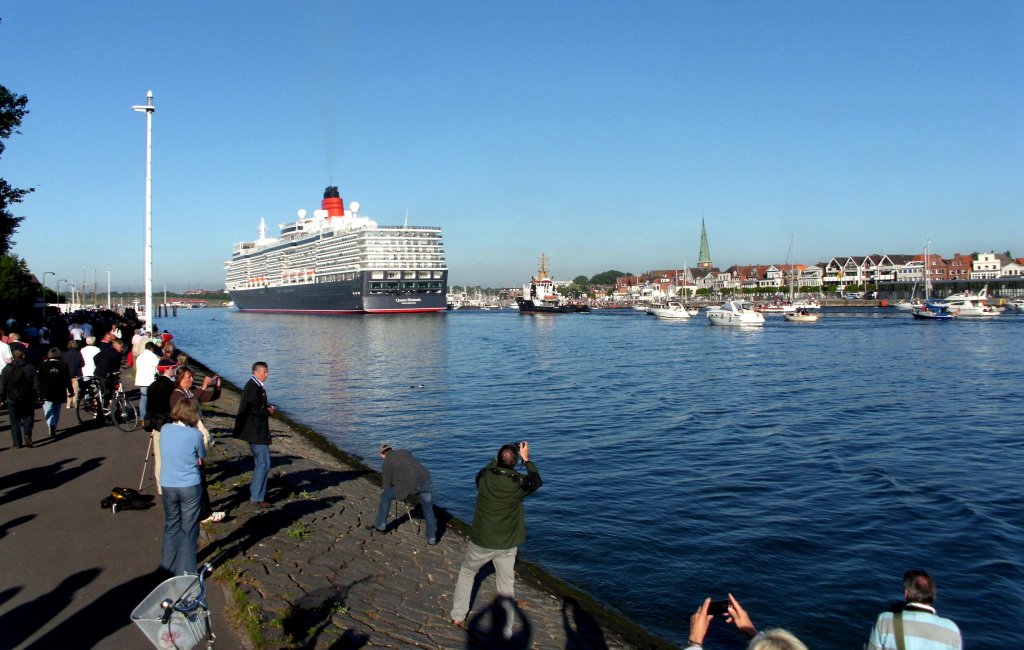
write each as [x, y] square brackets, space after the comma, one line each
[252, 424]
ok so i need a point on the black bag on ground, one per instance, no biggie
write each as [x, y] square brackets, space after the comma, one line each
[122, 498]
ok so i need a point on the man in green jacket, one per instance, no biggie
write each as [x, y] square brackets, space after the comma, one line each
[499, 526]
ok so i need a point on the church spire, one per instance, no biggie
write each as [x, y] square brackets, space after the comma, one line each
[704, 259]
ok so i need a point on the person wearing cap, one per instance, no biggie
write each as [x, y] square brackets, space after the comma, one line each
[499, 527]
[402, 476]
[158, 412]
[146, 364]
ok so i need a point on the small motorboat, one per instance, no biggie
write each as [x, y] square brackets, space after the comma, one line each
[671, 311]
[801, 316]
[934, 312]
[734, 313]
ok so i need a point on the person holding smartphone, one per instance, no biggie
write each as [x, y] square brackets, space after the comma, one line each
[499, 527]
[733, 612]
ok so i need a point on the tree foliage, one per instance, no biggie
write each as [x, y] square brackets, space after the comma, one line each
[608, 277]
[18, 287]
[12, 111]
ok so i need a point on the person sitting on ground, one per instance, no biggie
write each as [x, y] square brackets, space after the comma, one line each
[402, 476]
[915, 620]
[182, 450]
[772, 639]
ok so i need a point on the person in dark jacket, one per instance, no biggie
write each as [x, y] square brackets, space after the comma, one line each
[401, 476]
[19, 385]
[74, 361]
[55, 385]
[158, 413]
[108, 366]
[499, 527]
[252, 424]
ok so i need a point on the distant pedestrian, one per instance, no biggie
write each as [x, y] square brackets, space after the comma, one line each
[74, 361]
[915, 625]
[499, 527]
[252, 424]
[402, 476]
[18, 387]
[89, 353]
[5, 351]
[182, 450]
[166, 337]
[55, 386]
[145, 372]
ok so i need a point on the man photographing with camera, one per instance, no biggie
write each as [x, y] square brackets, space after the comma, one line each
[499, 527]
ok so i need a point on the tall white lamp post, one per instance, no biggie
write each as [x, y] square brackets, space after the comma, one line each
[148, 109]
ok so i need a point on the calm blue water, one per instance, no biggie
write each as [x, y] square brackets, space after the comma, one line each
[801, 467]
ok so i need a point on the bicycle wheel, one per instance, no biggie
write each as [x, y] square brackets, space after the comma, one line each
[124, 414]
[87, 410]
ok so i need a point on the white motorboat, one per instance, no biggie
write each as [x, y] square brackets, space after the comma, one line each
[776, 308]
[802, 316]
[1016, 306]
[968, 305]
[908, 305]
[734, 313]
[671, 311]
[692, 311]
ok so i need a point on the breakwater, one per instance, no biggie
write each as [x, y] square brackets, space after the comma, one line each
[682, 460]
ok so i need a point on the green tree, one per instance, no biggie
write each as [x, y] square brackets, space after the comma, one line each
[12, 110]
[581, 281]
[607, 277]
[18, 287]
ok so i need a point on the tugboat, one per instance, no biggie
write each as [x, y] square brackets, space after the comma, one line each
[540, 296]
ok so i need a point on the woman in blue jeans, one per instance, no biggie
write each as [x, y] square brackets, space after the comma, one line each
[182, 451]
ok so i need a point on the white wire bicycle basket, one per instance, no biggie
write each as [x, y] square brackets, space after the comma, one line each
[182, 630]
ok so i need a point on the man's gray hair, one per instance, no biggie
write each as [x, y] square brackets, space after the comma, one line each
[776, 639]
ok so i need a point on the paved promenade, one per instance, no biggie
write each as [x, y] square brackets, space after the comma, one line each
[307, 572]
[71, 572]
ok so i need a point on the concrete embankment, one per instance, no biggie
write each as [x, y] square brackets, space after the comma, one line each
[307, 573]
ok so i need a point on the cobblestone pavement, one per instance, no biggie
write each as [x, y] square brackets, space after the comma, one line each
[319, 579]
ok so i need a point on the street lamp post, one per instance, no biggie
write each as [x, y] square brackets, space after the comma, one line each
[46, 273]
[59, 294]
[148, 109]
[108, 288]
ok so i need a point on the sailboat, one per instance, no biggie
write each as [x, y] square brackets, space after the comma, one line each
[930, 310]
[799, 313]
[909, 304]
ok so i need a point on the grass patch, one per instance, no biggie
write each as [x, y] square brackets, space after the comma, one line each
[243, 611]
[299, 530]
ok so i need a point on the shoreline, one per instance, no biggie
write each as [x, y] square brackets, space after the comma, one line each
[307, 476]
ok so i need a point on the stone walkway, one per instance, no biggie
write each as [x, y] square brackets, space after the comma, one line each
[313, 576]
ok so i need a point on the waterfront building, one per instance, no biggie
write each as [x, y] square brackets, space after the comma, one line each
[1014, 268]
[987, 266]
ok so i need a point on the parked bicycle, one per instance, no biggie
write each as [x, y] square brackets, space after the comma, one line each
[120, 410]
[175, 614]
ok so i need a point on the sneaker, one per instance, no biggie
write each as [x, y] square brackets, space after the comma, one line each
[431, 541]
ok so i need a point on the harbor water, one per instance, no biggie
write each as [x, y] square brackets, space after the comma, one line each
[801, 467]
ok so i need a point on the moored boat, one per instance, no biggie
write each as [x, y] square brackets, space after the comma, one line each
[735, 314]
[541, 297]
[968, 305]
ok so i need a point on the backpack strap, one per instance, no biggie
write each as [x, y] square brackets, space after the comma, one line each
[897, 630]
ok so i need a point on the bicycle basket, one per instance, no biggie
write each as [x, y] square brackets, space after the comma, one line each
[182, 631]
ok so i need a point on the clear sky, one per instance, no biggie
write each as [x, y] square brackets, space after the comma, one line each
[599, 133]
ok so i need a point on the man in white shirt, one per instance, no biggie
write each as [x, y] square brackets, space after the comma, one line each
[89, 353]
[5, 352]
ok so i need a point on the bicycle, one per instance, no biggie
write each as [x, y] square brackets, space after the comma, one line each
[120, 410]
[175, 614]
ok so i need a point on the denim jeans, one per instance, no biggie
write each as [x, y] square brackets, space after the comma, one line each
[21, 423]
[387, 495]
[504, 573]
[51, 412]
[260, 472]
[181, 528]
[143, 401]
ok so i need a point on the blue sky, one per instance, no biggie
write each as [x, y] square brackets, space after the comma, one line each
[598, 133]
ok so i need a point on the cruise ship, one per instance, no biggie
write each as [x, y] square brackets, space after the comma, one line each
[339, 262]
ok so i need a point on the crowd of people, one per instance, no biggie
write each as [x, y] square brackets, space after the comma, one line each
[34, 368]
